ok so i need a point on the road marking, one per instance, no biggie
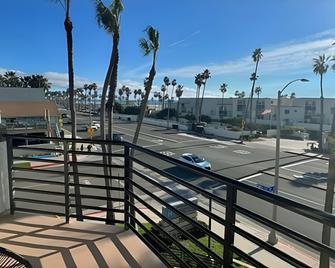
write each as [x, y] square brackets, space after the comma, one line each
[241, 152]
[251, 176]
[167, 153]
[219, 146]
[300, 163]
[205, 139]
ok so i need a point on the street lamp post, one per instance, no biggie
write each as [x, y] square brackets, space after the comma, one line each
[272, 239]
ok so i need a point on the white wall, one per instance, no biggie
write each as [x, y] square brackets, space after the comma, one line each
[4, 187]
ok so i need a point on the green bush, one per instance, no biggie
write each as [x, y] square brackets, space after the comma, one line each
[132, 110]
[164, 114]
[190, 117]
[236, 121]
[206, 118]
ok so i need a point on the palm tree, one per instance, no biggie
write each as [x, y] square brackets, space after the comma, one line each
[173, 83]
[85, 89]
[128, 93]
[320, 67]
[163, 89]
[69, 40]
[198, 80]
[149, 45]
[11, 79]
[256, 56]
[205, 76]
[121, 93]
[109, 18]
[94, 87]
[258, 91]
[329, 199]
[223, 89]
[293, 95]
[179, 93]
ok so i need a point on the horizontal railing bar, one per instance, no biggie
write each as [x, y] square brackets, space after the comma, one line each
[95, 141]
[264, 245]
[188, 202]
[98, 187]
[287, 231]
[116, 210]
[148, 244]
[85, 217]
[28, 200]
[33, 159]
[304, 210]
[37, 170]
[181, 181]
[52, 150]
[95, 153]
[99, 197]
[16, 179]
[161, 243]
[82, 174]
[248, 258]
[18, 189]
[92, 164]
[37, 211]
[191, 237]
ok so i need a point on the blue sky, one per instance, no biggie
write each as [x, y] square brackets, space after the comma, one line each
[216, 34]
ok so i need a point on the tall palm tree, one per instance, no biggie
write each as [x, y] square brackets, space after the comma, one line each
[128, 93]
[94, 87]
[205, 76]
[329, 199]
[109, 18]
[85, 89]
[69, 40]
[163, 89]
[256, 56]
[179, 93]
[320, 67]
[149, 45]
[293, 95]
[223, 89]
[11, 79]
[198, 80]
[173, 83]
[258, 91]
[121, 93]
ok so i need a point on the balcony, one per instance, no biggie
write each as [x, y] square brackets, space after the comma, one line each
[137, 208]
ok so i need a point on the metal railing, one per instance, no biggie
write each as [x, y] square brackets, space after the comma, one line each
[157, 198]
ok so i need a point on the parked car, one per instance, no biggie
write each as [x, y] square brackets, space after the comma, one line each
[96, 123]
[195, 160]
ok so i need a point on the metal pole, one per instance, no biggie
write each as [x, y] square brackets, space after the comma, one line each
[10, 149]
[66, 182]
[168, 121]
[272, 239]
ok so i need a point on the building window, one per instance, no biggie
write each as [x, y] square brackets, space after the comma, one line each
[287, 111]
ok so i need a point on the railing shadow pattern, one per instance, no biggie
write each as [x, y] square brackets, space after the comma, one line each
[166, 210]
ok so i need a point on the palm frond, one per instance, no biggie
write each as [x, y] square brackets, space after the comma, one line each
[145, 46]
[104, 16]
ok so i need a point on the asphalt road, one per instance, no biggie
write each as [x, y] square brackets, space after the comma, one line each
[303, 179]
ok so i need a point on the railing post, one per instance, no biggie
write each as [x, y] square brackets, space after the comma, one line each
[9, 142]
[230, 221]
[66, 181]
[126, 185]
[129, 209]
[210, 222]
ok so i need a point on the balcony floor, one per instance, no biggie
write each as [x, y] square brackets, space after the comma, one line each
[46, 241]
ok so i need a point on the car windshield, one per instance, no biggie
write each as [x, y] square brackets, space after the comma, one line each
[197, 159]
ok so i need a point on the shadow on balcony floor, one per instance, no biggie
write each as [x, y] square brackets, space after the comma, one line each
[46, 241]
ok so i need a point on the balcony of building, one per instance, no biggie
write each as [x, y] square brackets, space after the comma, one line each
[122, 205]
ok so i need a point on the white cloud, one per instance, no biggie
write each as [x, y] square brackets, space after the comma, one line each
[293, 55]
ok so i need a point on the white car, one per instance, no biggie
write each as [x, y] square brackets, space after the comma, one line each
[95, 123]
[195, 160]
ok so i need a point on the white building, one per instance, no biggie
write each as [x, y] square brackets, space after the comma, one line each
[303, 112]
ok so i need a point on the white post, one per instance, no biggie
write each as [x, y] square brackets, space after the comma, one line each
[272, 239]
[4, 184]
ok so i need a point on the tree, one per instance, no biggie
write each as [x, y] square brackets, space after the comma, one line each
[256, 56]
[128, 93]
[205, 76]
[258, 91]
[85, 87]
[239, 94]
[329, 199]
[121, 93]
[223, 89]
[39, 81]
[173, 83]
[198, 80]
[163, 89]
[149, 45]
[179, 93]
[293, 95]
[11, 79]
[69, 40]
[320, 67]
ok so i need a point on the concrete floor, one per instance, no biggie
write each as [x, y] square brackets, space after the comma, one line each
[46, 241]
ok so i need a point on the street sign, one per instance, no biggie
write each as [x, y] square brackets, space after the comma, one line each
[90, 131]
[266, 188]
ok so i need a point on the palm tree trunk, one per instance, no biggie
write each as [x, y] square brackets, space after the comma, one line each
[321, 115]
[68, 28]
[145, 100]
[256, 109]
[202, 99]
[252, 94]
[178, 110]
[326, 231]
[196, 112]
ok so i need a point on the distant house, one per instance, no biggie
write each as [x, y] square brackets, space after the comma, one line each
[26, 111]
